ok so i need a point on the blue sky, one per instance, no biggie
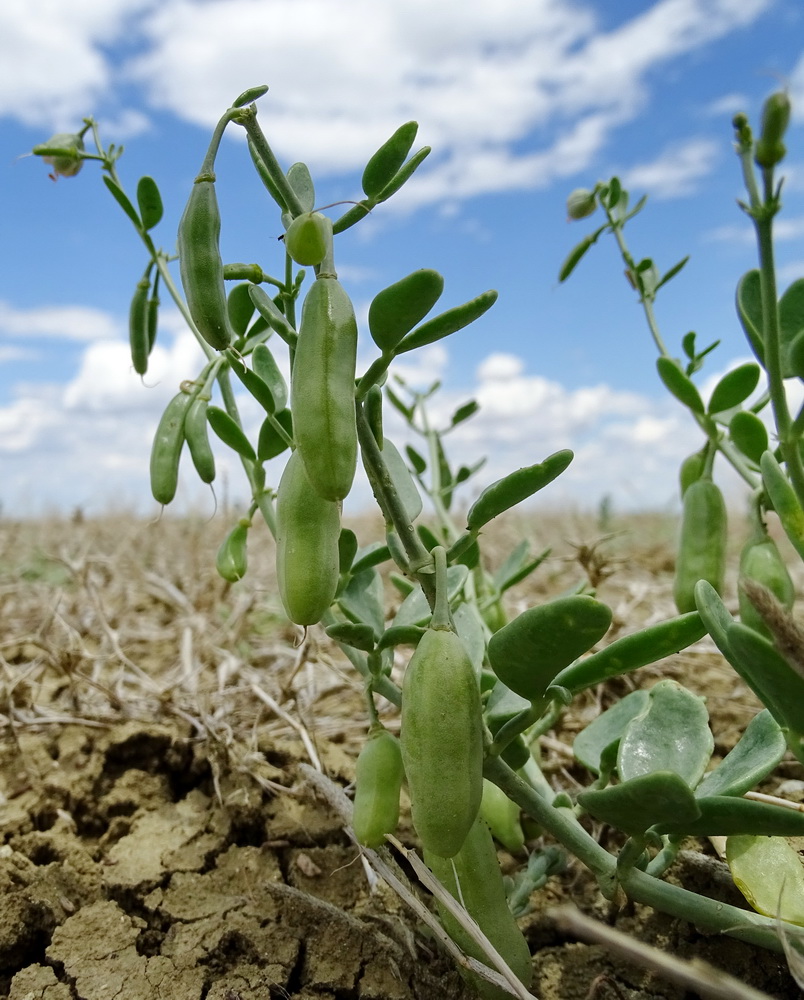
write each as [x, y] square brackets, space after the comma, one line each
[521, 102]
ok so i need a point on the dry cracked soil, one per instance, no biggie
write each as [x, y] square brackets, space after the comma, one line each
[157, 839]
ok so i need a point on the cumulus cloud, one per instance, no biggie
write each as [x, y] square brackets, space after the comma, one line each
[676, 171]
[68, 322]
[489, 80]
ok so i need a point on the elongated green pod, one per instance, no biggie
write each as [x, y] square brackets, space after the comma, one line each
[200, 263]
[702, 543]
[442, 741]
[473, 877]
[138, 326]
[323, 389]
[231, 560]
[761, 561]
[784, 500]
[502, 816]
[197, 435]
[167, 447]
[378, 782]
[307, 531]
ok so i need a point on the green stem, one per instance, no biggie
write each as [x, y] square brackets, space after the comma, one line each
[638, 885]
[247, 117]
[727, 449]
[771, 331]
[391, 504]
[442, 615]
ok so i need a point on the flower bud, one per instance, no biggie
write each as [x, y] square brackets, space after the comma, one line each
[581, 203]
[770, 149]
[63, 163]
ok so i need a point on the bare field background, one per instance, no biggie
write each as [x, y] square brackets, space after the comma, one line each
[153, 718]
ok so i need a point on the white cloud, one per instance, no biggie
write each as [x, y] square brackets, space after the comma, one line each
[60, 322]
[676, 170]
[487, 80]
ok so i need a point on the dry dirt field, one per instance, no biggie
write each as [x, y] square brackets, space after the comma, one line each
[157, 838]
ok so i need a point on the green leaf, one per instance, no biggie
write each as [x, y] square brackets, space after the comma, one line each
[514, 488]
[270, 442]
[679, 385]
[784, 500]
[469, 626]
[401, 635]
[353, 634]
[688, 344]
[416, 460]
[769, 873]
[122, 200]
[607, 729]
[791, 323]
[396, 402]
[415, 610]
[755, 755]
[749, 434]
[302, 183]
[384, 164]
[735, 387]
[266, 368]
[749, 309]
[574, 256]
[448, 322]
[347, 549]
[362, 601]
[671, 734]
[371, 555]
[270, 312]
[240, 307]
[725, 816]
[403, 175]
[149, 201]
[464, 412]
[230, 433]
[778, 686]
[636, 805]
[527, 653]
[795, 355]
[668, 275]
[397, 309]
[402, 480]
[255, 385]
[614, 192]
[630, 652]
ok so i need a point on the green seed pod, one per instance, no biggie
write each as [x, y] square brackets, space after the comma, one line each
[473, 877]
[761, 561]
[138, 326]
[770, 149]
[702, 543]
[581, 203]
[378, 781]
[502, 816]
[153, 316]
[166, 448]
[232, 559]
[200, 263]
[308, 238]
[197, 435]
[323, 389]
[307, 532]
[692, 468]
[442, 741]
[65, 163]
